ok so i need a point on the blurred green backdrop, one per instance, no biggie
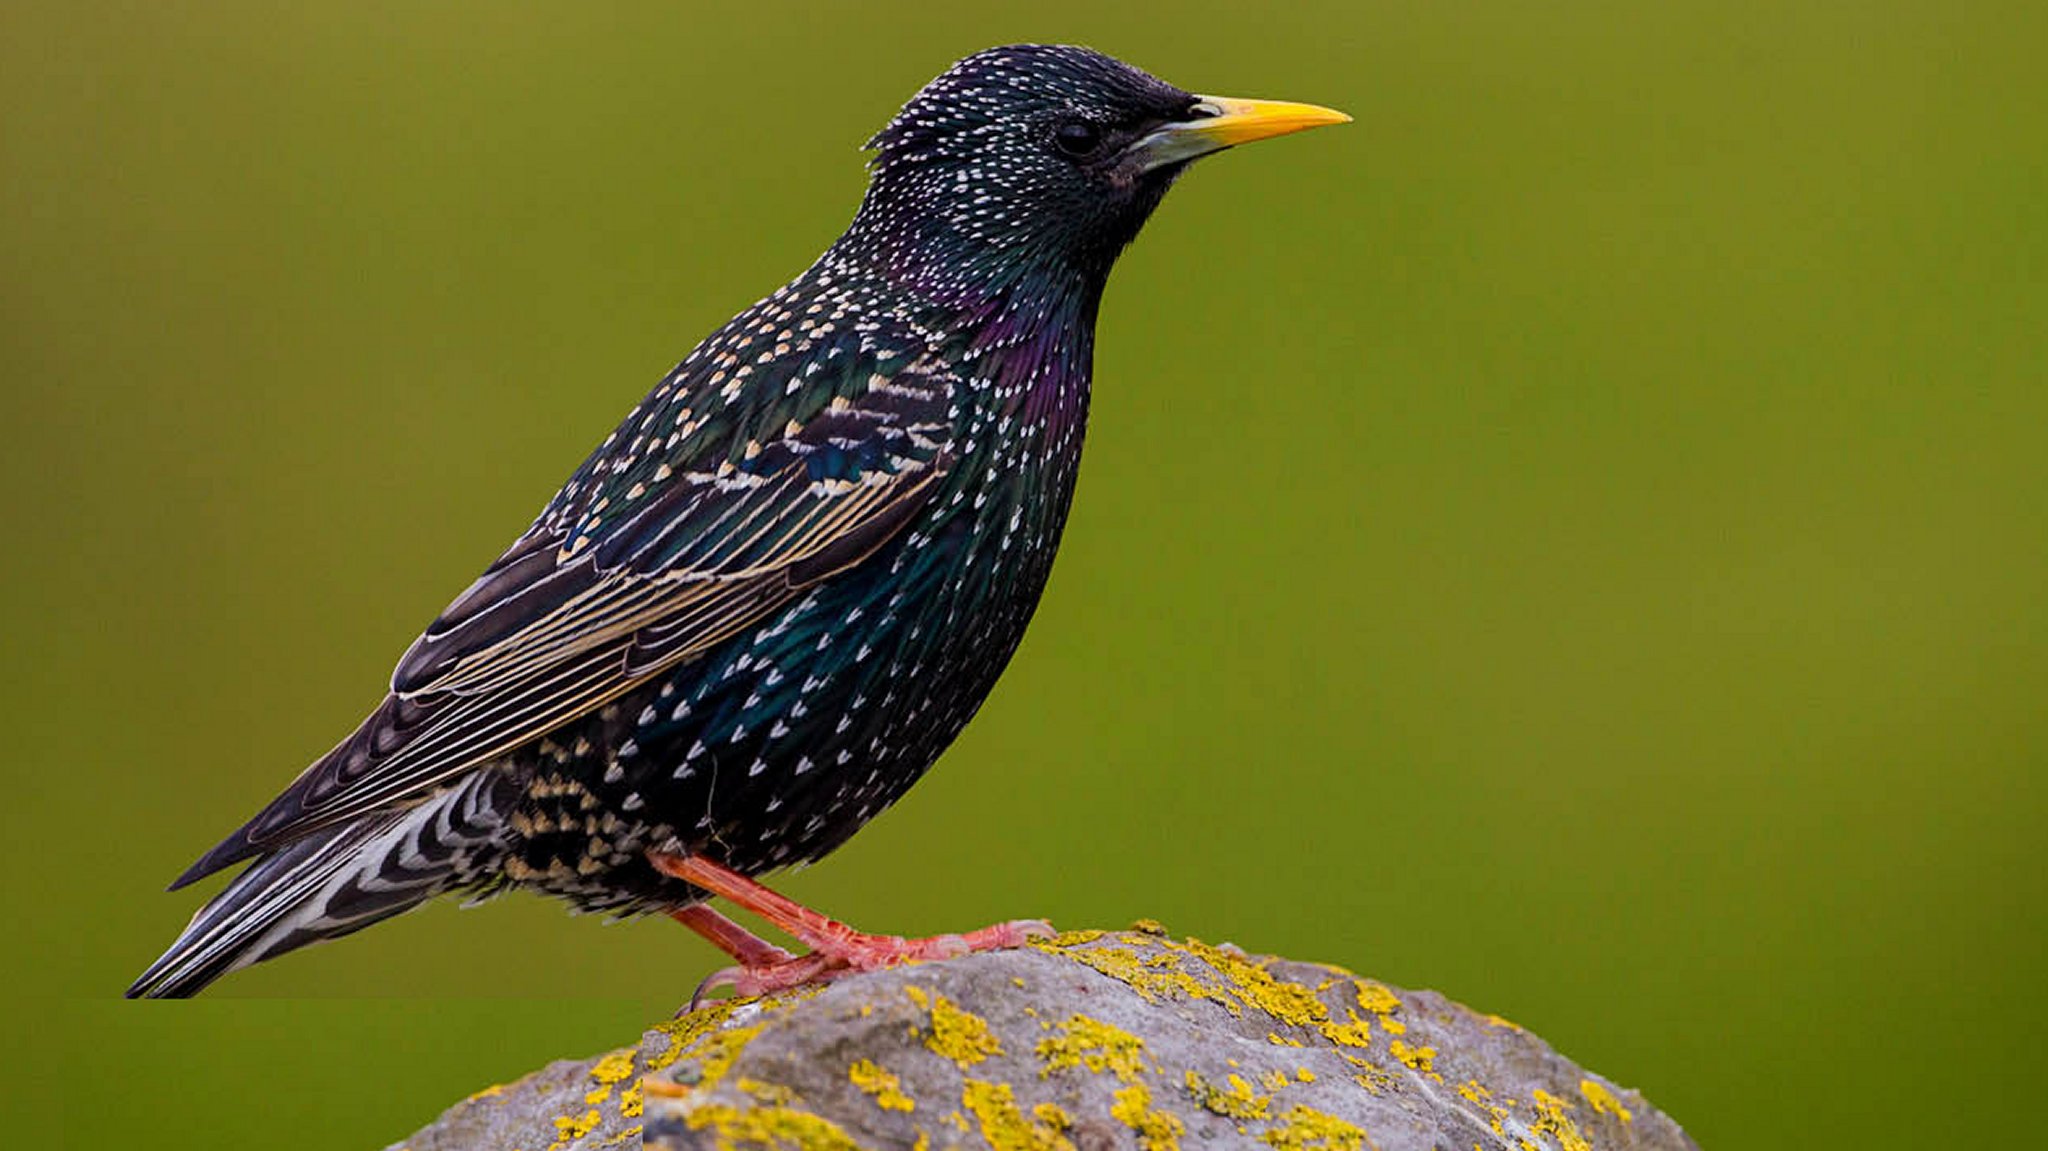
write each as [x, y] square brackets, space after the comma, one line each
[1575, 538]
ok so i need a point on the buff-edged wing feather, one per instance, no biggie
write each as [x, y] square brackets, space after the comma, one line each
[609, 588]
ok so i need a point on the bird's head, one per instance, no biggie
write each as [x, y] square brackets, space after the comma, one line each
[1040, 157]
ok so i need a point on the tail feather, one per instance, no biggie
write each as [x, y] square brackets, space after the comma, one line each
[333, 882]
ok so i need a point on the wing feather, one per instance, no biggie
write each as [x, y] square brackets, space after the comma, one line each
[578, 612]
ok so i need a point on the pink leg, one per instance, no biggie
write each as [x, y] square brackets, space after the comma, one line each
[836, 949]
[750, 949]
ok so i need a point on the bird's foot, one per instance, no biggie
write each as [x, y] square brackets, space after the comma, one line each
[851, 952]
[836, 949]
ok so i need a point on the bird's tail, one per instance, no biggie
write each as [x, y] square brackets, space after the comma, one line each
[329, 884]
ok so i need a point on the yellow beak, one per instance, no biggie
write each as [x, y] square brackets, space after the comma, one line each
[1219, 122]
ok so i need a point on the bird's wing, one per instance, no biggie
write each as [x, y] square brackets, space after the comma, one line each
[637, 566]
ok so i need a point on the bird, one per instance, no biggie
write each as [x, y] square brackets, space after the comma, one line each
[763, 606]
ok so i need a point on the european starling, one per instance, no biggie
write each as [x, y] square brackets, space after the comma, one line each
[768, 600]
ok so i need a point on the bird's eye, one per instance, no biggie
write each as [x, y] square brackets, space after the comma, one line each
[1077, 137]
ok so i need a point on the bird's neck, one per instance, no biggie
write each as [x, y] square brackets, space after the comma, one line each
[1037, 347]
[938, 261]
[1024, 317]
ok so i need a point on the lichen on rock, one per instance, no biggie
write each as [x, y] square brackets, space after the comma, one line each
[1092, 1041]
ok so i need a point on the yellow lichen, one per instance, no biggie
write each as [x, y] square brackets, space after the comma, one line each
[716, 1052]
[1288, 1002]
[1306, 1129]
[886, 1089]
[631, 1100]
[1474, 1092]
[1154, 983]
[1603, 1100]
[685, 1031]
[1305, 1075]
[1157, 1130]
[1275, 1080]
[957, 1034]
[607, 1073]
[1236, 982]
[1356, 1033]
[1053, 1115]
[1090, 1043]
[494, 1091]
[1371, 1076]
[1005, 1126]
[1422, 1059]
[570, 1128]
[777, 1127]
[773, 1094]
[1374, 997]
[1066, 939]
[613, 1068]
[1497, 1021]
[1238, 1101]
[1552, 1120]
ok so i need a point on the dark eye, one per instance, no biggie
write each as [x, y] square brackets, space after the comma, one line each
[1077, 137]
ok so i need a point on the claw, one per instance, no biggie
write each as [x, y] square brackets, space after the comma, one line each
[723, 977]
[836, 949]
[1016, 932]
[770, 978]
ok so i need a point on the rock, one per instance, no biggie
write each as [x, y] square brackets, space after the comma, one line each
[1090, 1042]
[585, 1105]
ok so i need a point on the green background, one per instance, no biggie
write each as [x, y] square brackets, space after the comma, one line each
[1574, 538]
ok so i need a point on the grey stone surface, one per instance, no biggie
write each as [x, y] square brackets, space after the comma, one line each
[569, 1105]
[1095, 1041]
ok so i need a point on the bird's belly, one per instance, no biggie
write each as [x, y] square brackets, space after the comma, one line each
[776, 746]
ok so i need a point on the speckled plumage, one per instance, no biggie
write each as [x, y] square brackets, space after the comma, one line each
[767, 602]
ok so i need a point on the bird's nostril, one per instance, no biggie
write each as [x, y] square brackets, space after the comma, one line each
[1204, 110]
